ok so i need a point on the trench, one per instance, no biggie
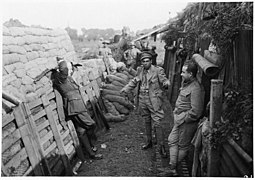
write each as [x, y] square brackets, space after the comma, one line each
[123, 155]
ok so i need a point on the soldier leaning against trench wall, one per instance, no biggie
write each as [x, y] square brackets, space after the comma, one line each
[28, 51]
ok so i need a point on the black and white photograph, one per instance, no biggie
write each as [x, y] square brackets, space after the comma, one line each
[127, 88]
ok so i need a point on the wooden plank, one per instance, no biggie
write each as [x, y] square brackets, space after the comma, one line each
[51, 95]
[43, 125]
[56, 134]
[10, 139]
[72, 154]
[36, 139]
[215, 115]
[3, 170]
[63, 136]
[232, 168]
[95, 88]
[32, 155]
[47, 137]
[17, 159]
[28, 141]
[39, 114]
[93, 103]
[60, 109]
[88, 91]
[242, 168]
[53, 106]
[49, 91]
[49, 149]
[240, 151]
[29, 170]
[59, 127]
[35, 103]
[225, 169]
[75, 140]
[172, 73]
[69, 144]
[84, 95]
[7, 118]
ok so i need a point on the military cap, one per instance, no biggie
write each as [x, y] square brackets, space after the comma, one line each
[146, 55]
[62, 66]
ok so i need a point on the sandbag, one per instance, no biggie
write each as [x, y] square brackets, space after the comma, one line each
[123, 101]
[131, 71]
[116, 83]
[111, 92]
[122, 109]
[114, 118]
[127, 74]
[123, 76]
[111, 87]
[110, 107]
[111, 78]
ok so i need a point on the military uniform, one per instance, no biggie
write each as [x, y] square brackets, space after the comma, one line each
[188, 109]
[150, 96]
[72, 99]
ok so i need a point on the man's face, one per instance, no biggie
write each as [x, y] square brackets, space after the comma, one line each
[146, 63]
[70, 69]
[185, 75]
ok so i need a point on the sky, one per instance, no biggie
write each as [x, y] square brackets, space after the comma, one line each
[102, 14]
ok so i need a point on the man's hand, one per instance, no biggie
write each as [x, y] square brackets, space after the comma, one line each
[179, 118]
[166, 84]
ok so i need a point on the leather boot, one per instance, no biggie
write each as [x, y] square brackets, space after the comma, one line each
[86, 144]
[149, 135]
[160, 142]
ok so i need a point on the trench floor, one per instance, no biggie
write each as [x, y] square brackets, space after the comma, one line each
[122, 152]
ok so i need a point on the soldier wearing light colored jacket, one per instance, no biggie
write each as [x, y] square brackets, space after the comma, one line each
[149, 82]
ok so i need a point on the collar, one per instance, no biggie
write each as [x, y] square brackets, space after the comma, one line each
[184, 84]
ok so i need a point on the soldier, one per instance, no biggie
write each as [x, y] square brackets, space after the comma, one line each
[149, 79]
[75, 108]
[187, 112]
[105, 50]
[131, 56]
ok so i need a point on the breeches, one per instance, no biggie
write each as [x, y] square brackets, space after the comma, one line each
[83, 122]
[148, 112]
[182, 135]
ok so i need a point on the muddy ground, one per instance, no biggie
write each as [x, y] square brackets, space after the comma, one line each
[123, 155]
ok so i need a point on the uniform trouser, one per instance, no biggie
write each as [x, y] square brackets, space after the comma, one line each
[83, 123]
[179, 142]
[150, 115]
[85, 127]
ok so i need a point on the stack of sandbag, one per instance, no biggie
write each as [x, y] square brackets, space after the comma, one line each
[117, 105]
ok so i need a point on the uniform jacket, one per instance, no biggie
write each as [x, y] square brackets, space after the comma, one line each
[189, 104]
[72, 99]
[156, 77]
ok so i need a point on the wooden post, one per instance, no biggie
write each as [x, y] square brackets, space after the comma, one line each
[10, 98]
[56, 133]
[215, 115]
[106, 63]
[172, 74]
[28, 140]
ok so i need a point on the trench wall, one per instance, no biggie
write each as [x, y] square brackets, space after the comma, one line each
[36, 138]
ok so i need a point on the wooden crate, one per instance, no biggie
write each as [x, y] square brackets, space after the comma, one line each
[20, 156]
[37, 139]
